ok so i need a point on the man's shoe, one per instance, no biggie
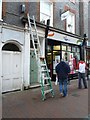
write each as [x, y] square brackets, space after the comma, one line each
[65, 95]
[85, 87]
[61, 94]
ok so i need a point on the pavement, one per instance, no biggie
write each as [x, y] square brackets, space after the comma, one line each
[28, 103]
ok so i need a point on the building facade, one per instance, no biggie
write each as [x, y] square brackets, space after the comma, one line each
[19, 68]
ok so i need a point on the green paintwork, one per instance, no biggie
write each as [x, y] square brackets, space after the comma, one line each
[33, 68]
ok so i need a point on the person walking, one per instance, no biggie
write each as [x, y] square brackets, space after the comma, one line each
[81, 74]
[56, 82]
[62, 70]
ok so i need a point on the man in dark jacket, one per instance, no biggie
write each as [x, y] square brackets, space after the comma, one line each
[62, 70]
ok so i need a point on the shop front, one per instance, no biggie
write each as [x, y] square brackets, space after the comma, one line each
[88, 62]
[66, 48]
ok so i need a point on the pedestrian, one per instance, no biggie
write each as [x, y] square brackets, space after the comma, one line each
[56, 81]
[81, 74]
[62, 70]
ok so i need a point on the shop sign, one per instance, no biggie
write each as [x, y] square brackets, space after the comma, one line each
[65, 38]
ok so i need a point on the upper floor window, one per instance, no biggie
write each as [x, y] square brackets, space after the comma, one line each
[46, 12]
[0, 9]
[70, 23]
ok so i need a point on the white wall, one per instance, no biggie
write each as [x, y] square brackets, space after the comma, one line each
[0, 77]
[26, 59]
[11, 34]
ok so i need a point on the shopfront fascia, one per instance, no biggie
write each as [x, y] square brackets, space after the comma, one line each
[60, 46]
[88, 61]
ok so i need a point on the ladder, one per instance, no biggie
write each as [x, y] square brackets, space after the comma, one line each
[45, 79]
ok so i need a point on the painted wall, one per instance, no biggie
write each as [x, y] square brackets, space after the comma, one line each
[21, 37]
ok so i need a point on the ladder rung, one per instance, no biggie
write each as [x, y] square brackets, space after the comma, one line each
[35, 38]
[43, 70]
[45, 85]
[47, 91]
[37, 43]
[47, 78]
[42, 58]
[32, 23]
[43, 65]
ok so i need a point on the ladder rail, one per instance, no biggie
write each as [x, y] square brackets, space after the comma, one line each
[30, 29]
[37, 34]
[44, 71]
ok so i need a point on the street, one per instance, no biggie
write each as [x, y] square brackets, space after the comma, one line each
[28, 103]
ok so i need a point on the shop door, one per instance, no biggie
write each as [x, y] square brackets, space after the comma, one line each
[33, 69]
[11, 71]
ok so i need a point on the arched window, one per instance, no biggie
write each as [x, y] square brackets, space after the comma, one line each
[10, 47]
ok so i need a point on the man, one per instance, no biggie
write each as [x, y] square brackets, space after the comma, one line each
[62, 70]
[81, 74]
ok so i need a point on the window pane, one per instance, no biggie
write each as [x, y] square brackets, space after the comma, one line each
[73, 49]
[68, 48]
[78, 50]
[46, 12]
[56, 59]
[63, 47]
[56, 47]
[48, 48]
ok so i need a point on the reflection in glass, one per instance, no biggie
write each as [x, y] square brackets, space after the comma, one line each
[68, 48]
[56, 47]
[73, 49]
[63, 47]
[56, 59]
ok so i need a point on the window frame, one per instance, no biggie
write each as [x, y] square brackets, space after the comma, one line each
[50, 16]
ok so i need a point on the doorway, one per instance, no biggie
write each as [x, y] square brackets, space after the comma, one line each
[53, 57]
[33, 69]
[11, 67]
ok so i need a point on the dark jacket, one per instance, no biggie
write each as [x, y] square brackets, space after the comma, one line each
[62, 70]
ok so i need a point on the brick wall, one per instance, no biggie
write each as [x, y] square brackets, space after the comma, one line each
[60, 7]
[12, 13]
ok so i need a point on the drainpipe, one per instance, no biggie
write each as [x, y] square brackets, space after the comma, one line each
[46, 33]
[81, 18]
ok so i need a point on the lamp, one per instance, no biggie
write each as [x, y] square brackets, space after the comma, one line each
[23, 8]
[84, 43]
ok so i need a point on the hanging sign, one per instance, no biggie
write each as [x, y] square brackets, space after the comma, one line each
[64, 15]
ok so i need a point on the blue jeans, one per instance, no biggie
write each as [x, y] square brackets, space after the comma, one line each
[63, 86]
[80, 77]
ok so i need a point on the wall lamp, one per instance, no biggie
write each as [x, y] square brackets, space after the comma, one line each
[23, 8]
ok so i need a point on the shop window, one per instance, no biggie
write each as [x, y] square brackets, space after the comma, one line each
[78, 50]
[56, 47]
[0, 9]
[56, 60]
[73, 49]
[63, 47]
[46, 12]
[48, 48]
[68, 48]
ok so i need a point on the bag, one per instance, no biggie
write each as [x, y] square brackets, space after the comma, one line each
[56, 82]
